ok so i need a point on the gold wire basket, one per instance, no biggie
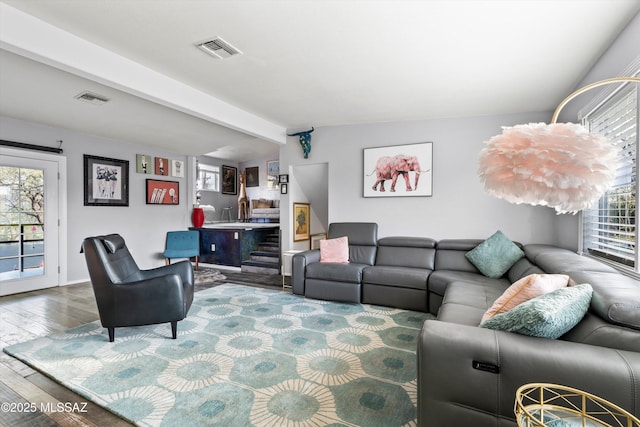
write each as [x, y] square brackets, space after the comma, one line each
[552, 405]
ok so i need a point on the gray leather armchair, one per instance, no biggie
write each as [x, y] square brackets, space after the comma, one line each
[128, 296]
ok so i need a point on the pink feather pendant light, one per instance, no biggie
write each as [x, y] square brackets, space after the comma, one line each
[560, 165]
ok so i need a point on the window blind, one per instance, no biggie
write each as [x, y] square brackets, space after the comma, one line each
[609, 227]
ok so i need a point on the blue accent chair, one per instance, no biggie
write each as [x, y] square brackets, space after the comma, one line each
[182, 244]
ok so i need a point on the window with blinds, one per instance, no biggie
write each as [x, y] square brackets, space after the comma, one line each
[609, 228]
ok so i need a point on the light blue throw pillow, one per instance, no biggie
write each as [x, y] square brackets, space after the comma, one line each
[495, 256]
[548, 316]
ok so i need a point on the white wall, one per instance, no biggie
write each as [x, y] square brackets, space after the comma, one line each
[143, 226]
[459, 207]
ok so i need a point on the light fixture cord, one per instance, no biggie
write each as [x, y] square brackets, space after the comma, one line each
[589, 87]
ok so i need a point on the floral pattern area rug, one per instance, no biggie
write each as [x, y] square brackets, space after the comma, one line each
[246, 356]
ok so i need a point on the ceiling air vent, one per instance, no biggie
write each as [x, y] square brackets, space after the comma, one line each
[218, 48]
[92, 98]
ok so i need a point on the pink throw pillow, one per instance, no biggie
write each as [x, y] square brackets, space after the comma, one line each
[525, 289]
[334, 250]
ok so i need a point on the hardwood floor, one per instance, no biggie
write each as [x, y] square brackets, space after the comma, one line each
[30, 315]
[34, 314]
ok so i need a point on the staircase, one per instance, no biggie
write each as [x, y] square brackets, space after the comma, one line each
[265, 260]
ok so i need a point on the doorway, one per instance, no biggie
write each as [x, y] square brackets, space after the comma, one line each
[310, 184]
[29, 221]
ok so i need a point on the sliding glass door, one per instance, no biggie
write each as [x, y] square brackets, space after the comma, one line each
[29, 224]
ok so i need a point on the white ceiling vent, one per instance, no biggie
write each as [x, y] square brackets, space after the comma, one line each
[218, 48]
[92, 98]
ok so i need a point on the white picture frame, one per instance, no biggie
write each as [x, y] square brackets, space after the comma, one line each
[177, 168]
[409, 167]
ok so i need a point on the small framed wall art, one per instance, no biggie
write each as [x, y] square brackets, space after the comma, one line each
[273, 168]
[162, 166]
[106, 181]
[144, 163]
[252, 176]
[177, 168]
[273, 172]
[163, 192]
[301, 223]
[229, 180]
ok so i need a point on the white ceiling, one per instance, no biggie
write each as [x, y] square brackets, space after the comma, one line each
[304, 63]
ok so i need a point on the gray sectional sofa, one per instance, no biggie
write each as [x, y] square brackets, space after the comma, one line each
[468, 375]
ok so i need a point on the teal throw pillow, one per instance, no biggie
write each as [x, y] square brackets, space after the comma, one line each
[550, 315]
[495, 256]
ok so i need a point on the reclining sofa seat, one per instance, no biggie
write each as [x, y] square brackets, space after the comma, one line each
[339, 281]
[608, 321]
[401, 272]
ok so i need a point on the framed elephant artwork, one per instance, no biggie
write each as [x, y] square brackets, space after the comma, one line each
[399, 171]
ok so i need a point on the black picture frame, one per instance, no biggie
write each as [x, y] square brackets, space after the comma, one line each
[284, 188]
[106, 181]
[252, 176]
[229, 180]
[161, 192]
[283, 179]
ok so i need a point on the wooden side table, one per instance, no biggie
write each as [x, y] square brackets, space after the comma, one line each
[552, 405]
